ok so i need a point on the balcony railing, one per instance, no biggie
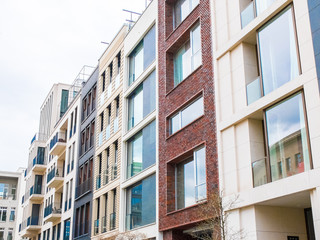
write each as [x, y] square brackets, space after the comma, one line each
[112, 221]
[108, 132]
[106, 176]
[109, 90]
[100, 138]
[36, 189]
[66, 205]
[33, 221]
[55, 172]
[84, 187]
[253, 91]
[52, 209]
[104, 224]
[6, 196]
[59, 137]
[96, 227]
[116, 124]
[117, 81]
[98, 181]
[247, 15]
[114, 171]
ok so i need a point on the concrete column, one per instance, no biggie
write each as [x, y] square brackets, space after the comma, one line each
[315, 204]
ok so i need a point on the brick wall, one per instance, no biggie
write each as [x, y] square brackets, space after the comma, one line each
[172, 149]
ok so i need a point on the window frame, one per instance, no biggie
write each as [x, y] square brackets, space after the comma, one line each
[174, 24]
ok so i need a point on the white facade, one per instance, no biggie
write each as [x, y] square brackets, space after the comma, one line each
[276, 205]
[129, 178]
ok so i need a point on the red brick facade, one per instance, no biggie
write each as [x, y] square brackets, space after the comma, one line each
[177, 147]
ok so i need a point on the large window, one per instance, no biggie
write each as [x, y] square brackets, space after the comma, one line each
[287, 138]
[142, 150]
[142, 101]
[141, 203]
[4, 189]
[191, 179]
[142, 56]
[66, 231]
[3, 214]
[188, 57]
[182, 9]
[187, 115]
[278, 52]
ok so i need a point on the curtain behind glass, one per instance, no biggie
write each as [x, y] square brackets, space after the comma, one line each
[278, 53]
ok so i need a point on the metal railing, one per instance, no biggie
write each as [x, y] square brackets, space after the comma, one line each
[55, 172]
[96, 227]
[114, 171]
[36, 189]
[84, 187]
[98, 181]
[104, 224]
[112, 221]
[59, 137]
[53, 208]
[6, 196]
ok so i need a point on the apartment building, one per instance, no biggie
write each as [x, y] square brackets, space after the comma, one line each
[267, 100]
[48, 203]
[84, 168]
[139, 174]
[188, 169]
[10, 185]
[107, 158]
[34, 176]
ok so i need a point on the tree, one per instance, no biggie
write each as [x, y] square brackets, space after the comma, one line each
[216, 214]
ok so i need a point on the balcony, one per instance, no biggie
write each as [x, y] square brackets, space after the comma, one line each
[38, 163]
[106, 176]
[112, 221]
[104, 224]
[52, 213]
[58, 143]
[36, 193]
[84, 187]
[108, 132]
[114, 171]
[7, 196]
[96, 227]
[98, 181]
[55, 178]
[116, 124]
[100, 138]
[31, 227]
[109, 90]
[117, 81]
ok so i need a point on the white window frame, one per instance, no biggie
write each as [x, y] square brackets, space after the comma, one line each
[190, 10]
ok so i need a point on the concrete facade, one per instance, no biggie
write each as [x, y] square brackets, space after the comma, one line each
[274, 199]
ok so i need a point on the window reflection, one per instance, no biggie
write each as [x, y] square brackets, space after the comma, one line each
[287, 138]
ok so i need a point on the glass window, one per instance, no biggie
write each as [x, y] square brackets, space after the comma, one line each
[191, 179]
[182, 9]
[262, 5]
[142, 56]
[10, 234]
[188, 57]
[142, 150]
[142, 101]
[12, 214]
[141, 207]
[1, 233]
[287, 138]
[187, 115]
[4, 188]
[278, 52]
[66, 232]
[3, 214]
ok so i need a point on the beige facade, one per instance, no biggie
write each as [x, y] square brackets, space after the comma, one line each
[275, 191]
[107, 160]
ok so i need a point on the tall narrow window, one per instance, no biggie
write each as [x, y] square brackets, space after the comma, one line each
[191, 179]
[103, 82]
[110, 72]
[142, 56]
[142, 101]
[189, 57]
[66, 232]
[287, 138]
[278, 52]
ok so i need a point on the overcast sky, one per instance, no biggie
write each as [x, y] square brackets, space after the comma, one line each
[43, 42]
